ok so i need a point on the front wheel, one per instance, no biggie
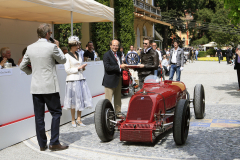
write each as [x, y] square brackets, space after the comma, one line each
[181, 122]
[199, 101]
[104, 112]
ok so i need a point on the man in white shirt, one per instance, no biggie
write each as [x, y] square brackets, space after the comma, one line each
[167, 52]
[132, 49]
[154, 46]
[176, 61]
[80, 51]
[196, 53]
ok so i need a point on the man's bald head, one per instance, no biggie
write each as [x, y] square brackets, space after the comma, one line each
[114, 45]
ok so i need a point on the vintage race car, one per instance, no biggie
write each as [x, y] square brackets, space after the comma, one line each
[157, 107]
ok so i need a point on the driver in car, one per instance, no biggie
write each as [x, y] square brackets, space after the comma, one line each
[149, 61]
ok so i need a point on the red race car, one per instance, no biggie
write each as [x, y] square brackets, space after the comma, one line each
[157, 107]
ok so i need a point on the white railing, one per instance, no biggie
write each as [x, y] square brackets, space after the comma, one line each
[143, 5]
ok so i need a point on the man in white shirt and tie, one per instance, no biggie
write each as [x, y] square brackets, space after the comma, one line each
[112, 80]
[176, 61]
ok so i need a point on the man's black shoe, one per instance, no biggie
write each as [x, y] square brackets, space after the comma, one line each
[43, 148]
[57, 147]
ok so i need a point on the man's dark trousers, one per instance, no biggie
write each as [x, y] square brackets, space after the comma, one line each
[141, 80]
[53, 104]
[238, 74]
[219, 58]
[228, 58]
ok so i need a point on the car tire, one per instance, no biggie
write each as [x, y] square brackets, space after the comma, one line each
[104, 128]
[181, 122]
[199, 101]
[188, 96]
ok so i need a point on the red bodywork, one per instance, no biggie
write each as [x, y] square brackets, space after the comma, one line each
[146, 112]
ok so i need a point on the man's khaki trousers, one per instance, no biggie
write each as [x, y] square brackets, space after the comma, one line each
[116, 92]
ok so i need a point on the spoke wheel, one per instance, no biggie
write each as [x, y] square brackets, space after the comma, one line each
[104, 112]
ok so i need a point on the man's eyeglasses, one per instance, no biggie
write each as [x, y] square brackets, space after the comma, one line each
[145, 43]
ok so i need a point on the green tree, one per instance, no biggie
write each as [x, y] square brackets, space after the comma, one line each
[214, 24]
[234, 10]
[172, 11]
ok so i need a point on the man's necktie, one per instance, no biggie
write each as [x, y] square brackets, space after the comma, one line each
[115, 54]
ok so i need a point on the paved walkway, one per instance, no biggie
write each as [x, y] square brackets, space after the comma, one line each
[217, 136]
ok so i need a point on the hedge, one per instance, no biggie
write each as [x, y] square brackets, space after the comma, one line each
[63, 31]
[101, 33]
[211, 51]
[202, 54]
[124, 23]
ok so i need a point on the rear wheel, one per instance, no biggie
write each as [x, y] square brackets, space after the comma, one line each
[104, 112]
[199, 101]
[181, 122]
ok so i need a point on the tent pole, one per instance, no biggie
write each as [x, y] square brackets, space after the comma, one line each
[113, 29]
[52, 30]
[71, 23]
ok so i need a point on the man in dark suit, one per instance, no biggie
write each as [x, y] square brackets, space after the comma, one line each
[228, 55]
[237, 66]
[44, 85]
[89, 52]
[112, 80]
[219, 54]
[6, 55]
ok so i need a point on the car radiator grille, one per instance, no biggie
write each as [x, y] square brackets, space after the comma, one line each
[136, 135]
[140, 108]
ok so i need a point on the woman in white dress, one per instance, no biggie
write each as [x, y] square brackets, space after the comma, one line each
[77, 93]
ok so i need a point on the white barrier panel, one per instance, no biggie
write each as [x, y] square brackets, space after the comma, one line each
[17, 121]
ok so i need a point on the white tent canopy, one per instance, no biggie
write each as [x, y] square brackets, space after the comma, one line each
[210, 44]
[56, 11]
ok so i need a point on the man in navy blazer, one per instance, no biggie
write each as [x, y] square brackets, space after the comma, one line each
[112, 80]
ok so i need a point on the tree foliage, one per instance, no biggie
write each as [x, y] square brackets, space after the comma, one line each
[200, 41]
[63, 31]
[213, 23]
[124, 22]
[234, 10]
[172, 11]
[101, 33]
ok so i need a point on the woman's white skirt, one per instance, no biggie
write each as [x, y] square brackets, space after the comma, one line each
[77, 95]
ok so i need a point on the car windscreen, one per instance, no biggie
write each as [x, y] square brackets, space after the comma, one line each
[151, 79]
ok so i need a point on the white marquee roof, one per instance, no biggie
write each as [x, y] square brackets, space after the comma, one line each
[56, 11]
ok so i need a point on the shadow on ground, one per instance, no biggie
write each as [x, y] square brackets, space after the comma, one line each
[72, 137]
[210, 144]
[230, 89]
